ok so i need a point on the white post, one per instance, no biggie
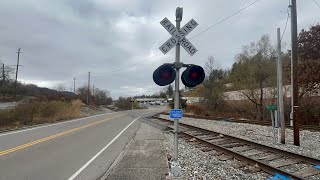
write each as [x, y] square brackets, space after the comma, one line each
[280, 108]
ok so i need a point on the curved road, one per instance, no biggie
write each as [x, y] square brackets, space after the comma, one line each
[78, 149]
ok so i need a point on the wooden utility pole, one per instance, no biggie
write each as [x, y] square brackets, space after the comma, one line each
[74, 85]
[93, 93]
[88, 93]
[3, 75]
[131, 103]
[280, 93]
[17, 69]
[294, 80]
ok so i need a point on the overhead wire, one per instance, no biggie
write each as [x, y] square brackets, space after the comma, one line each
[316, 3]
[223, 20]
[285, 27]
[126, 67]
[210, 27]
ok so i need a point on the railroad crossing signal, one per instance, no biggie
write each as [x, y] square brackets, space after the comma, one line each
[191, 77]
[178, 36]
[167, 73]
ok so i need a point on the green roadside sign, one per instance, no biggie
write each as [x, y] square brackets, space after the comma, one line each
[271, 107]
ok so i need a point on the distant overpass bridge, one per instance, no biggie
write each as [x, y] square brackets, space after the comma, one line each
[149, 100]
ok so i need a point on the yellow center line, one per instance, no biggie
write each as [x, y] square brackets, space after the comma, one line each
[11, 150]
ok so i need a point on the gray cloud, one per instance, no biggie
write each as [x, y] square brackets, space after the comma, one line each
[65, 39]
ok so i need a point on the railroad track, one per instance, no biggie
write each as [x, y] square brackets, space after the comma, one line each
[264, 123]
[259, 157]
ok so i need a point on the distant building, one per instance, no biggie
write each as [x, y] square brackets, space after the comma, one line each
[193, 100]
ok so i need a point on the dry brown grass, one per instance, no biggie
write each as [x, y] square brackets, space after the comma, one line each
[197, 109]
[37, 112]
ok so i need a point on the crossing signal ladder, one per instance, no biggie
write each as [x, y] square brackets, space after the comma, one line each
[191, 77]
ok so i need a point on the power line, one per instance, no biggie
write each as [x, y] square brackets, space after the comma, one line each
[126, 67]
[316, 3]
[228, 17]
[285, 27]
[136, 63]
[221, 21]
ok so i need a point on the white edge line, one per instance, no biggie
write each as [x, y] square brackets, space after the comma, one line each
[55, 124]
[101, 151]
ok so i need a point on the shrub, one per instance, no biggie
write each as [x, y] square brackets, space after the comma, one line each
[182, 104]
[126, 104]
[197, 109]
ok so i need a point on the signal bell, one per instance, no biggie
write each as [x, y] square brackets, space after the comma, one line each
[164, 75]
[193, 76]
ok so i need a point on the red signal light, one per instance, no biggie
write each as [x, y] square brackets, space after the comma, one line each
[164, 75]
[193, 76]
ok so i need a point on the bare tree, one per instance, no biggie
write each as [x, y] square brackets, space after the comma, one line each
[100, 97]
[82, 92]
[213, 85]
[6, 79]
[255, 70]
[60, 87]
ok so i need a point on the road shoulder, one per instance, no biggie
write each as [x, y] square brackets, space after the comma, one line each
[144, 157]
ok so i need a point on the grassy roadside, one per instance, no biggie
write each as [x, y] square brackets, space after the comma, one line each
[38, 112]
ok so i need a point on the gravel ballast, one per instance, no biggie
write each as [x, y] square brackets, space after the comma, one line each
[309, 141]
[197, 164]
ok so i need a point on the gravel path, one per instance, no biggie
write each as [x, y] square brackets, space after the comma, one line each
[197, 164]
[309, 141]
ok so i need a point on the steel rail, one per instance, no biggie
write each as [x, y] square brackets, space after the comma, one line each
[265, 167]
[263, 123]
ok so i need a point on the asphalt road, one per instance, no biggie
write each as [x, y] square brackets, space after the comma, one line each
[78, 149]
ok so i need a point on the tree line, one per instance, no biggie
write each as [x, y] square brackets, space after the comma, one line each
[254, 70]
[97, 96]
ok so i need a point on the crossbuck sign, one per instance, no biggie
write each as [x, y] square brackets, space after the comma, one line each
[178, 36]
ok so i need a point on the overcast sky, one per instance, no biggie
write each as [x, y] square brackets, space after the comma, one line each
[63, 39]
